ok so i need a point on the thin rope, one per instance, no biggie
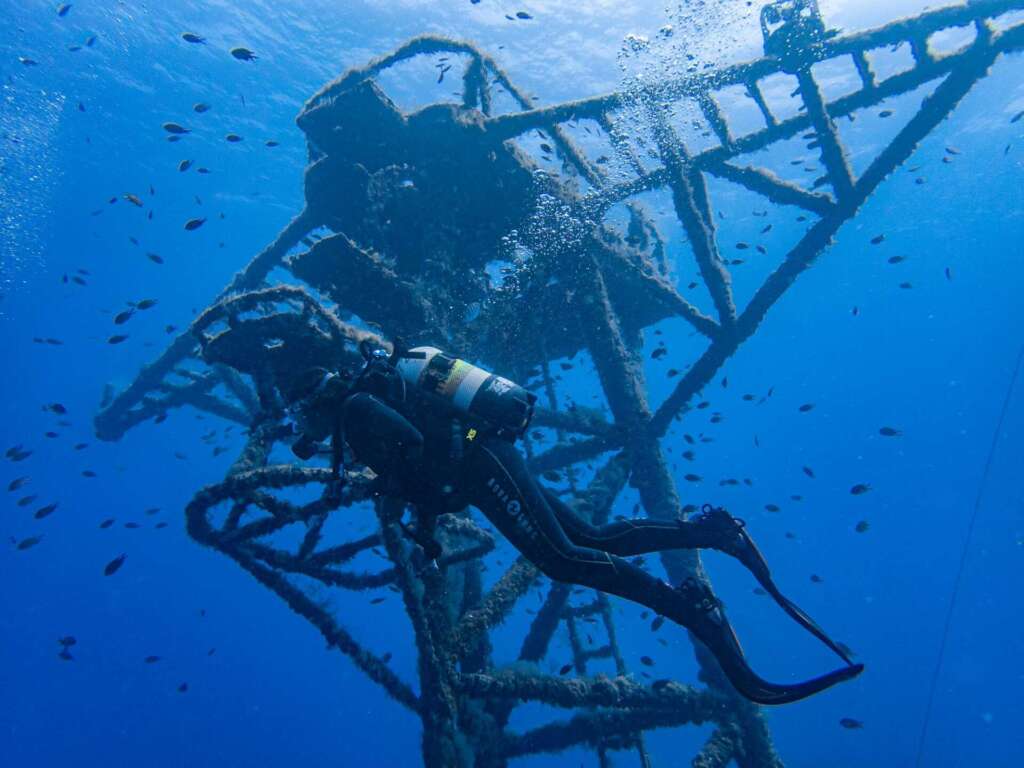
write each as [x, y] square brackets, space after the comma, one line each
[963, 559]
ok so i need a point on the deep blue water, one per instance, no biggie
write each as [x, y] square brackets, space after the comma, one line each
[934, 361]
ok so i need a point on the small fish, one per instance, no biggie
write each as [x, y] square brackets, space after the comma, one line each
[855, 311]
[151, 659]
[816, 579]
[200, 107]
[243, 54]
[759, 592]
[772, 507]
[806, 407]
[523, 15]
[170, 328]
[17, 483]
[647, 661]
[62, 9]
[114, 565]
[862, 526]
[90, 41]
[26, 500]
[123, 317]
[878, 239]
[896, 259]
[160, 525]
[692, 478]
[889, 432]
[45, 511]
[107, 523]
[659, 353]
[565, 670]
[88, 473]
[132, 526]
[56, 408]
[860, 488]
[175, 128]
[203, 171]
[809, 472]
[234, 138]
[146, 304]
[1016, 118]
[850, 723]
[184, 165]
[906, 286]
[155, 258]
[27, 62]
[67, 641]
[885, 113]
[133, 199]
[271, 143]
[656, 624]
[948, 273]
[742, 246]
[117, 338]
[81, 446]
[183, 688]
[377, 600]
[28, 543]
[192, 37]
[193, 224]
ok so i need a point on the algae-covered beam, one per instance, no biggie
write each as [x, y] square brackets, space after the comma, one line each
[598, 727]
[513, 584]
[696, 704]
[114, 420]
[335, 635]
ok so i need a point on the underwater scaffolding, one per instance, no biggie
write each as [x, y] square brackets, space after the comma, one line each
[381, 244]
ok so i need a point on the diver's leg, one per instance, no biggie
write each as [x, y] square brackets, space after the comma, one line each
[632, 537]
[714, 529]
[497, 482]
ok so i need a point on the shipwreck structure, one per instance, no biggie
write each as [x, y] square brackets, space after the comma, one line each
[384, 245]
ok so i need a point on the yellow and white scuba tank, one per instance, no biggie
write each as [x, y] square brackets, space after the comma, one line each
[469, 391]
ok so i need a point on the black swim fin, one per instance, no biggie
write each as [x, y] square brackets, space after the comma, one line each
[703, 615]
[732, 538]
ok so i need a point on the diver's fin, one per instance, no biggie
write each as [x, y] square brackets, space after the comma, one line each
[702, 613]
[803, 619]
[736, 541]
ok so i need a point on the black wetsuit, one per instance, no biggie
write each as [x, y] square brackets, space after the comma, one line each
[440, 464]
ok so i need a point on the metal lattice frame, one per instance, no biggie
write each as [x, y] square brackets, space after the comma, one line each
[607, 288]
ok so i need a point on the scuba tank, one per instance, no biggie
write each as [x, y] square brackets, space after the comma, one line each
[466, 390]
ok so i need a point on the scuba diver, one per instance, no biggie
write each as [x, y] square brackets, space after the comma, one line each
[439, 433]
